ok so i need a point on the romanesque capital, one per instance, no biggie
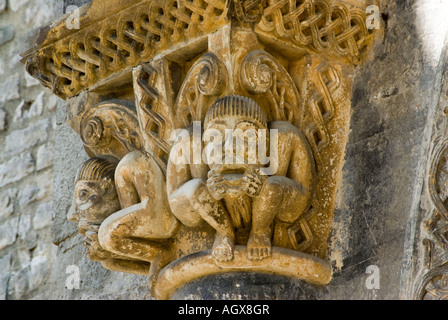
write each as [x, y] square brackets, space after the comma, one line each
[216, 131]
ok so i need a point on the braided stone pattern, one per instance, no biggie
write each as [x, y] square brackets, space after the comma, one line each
[322, 25]
[132, 36]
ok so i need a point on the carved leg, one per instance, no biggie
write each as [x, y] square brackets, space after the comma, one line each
[280, 198]
[192, 204]
[133, 178]
[140, 181]
[216, 216]
[115, 236]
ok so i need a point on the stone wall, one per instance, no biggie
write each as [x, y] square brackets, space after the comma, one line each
[27, 122]
[37, 247]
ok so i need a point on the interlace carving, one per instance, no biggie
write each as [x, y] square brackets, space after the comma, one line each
[132, 35]
[432, 283]
[149, 27]
[325, 26]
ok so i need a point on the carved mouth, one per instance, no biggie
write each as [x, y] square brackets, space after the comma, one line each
[233, 169]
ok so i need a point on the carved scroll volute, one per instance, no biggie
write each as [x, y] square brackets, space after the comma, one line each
[265, 78]
[206, 80]
[110, 128]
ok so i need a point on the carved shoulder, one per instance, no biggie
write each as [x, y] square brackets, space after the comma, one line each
[294, 152]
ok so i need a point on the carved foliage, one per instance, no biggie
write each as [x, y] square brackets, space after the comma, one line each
[434, 280]
[206, 79]
[152, 113]
[321, 105]
[136, 34]
[248, 12]
[262, 74]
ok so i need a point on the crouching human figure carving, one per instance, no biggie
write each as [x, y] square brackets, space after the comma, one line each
[122, 214]
[231, 188]
[96, 198]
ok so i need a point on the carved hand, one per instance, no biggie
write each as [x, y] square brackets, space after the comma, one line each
[252, 182]
[96, 252]
[216, 185]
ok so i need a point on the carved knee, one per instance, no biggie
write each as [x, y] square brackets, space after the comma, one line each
[272, 190]
[285, 197]
[110, 233]
[182, 203]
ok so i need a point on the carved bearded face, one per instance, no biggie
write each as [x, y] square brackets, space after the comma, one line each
[234, 130]
[233, 145]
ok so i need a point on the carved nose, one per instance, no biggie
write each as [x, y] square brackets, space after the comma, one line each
[72, 215]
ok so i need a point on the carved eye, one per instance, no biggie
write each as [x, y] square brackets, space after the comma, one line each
[83, 193]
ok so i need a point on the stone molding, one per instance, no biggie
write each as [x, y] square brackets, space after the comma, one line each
[138, 31]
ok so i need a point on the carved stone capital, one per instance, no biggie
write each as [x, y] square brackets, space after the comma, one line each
[228, 121]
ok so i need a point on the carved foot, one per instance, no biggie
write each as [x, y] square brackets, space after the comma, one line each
[258, 246]
[223, 247]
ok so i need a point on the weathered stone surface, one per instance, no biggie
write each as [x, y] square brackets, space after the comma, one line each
[3, 119]
[43, 216]
[44, 156]
[27, 195]
[36, 189]
[16, 168]
[6, 34]
[77, 3]
[2, 5]
[24, 195]
[24, 231]
[36, 107]
[10, 88]
[30, 81]
[39, 271]
[5, 265]
[19, 283]
[66, 147]
[8, 232]
[16, 5]
[20, 140]
[6, 204]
